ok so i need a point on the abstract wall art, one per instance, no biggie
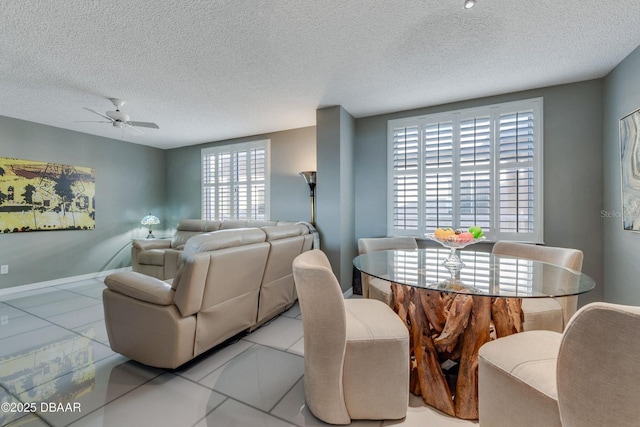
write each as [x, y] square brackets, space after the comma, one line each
[39, 196]
[630, 170]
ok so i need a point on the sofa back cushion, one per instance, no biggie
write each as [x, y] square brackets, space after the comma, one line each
[221, 239]
[231, 292]
[276, 232]
[190, 279]
[278, 290]
[186, 229]
[228, 224]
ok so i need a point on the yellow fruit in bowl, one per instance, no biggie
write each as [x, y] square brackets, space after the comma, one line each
[444, 234]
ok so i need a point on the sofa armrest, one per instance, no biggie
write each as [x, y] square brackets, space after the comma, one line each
[141, 287]
[144, 244]
[172, 261]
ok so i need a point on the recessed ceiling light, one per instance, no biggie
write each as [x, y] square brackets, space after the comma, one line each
[468, 4]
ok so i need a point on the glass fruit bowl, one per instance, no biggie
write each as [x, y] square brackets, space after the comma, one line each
[453, 242]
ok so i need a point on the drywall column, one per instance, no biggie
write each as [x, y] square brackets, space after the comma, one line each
[335, 193]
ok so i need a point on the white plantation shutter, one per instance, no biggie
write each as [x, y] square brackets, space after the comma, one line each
[405, 181]
[516, 169]
[235, 181]
[475, 173]
[438, 165]
[480, 166]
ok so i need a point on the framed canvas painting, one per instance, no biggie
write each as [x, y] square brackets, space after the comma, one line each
[630, 170]
[40, 196]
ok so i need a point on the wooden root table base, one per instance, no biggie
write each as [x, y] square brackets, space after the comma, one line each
[445, 326]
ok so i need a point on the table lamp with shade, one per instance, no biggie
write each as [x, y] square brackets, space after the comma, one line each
[310, 178]
[150, 220]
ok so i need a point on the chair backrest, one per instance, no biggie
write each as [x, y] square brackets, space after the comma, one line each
[564, 257]
[325, 331]
[598, 375]
[373, 244]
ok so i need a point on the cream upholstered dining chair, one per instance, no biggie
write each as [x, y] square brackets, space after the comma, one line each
[373, 287]
[550, 314]
[587, 376]
[356, 351]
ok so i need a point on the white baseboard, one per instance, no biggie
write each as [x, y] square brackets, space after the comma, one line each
[348, 293]
[61, 281]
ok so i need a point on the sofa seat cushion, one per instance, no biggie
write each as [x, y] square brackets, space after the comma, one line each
[151, 257]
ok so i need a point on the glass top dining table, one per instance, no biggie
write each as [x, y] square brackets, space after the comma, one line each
[483, 274]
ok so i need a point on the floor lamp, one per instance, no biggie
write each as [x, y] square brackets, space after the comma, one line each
[310, 178]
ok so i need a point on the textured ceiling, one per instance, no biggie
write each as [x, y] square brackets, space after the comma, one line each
[211, 70]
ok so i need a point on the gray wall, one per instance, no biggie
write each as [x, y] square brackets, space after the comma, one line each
[129, 184]
[621, 248]
[292, 151]
[335, 191]
[132, 180]
[572, 170]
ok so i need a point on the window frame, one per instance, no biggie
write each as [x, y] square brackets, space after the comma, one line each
[494, 112]
[231, 149]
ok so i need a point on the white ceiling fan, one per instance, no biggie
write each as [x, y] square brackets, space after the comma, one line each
[119, 119]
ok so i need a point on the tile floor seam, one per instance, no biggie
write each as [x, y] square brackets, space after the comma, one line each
[29, 330]
[285, 394]
[16, 398]
[64, 312]
[63, 374]
[27, 413]
[294, 343]
[208, 413]
[78, 326]
[85, 295]
[114, 399]
[269, 413]
[72, 290]
[54, 324]
[235, 398]
[209, 373]
[60, 314]
[8, 302]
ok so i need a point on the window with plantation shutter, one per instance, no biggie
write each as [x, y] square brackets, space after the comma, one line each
[480, 166]
[235, 181]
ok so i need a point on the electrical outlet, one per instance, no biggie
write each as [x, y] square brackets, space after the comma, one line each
[4, 269]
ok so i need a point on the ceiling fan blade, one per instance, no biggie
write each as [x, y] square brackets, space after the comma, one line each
[90, 121]
[133, 130]
[100, 114]
[144, 125]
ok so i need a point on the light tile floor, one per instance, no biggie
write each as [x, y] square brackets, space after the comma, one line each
[54, 349]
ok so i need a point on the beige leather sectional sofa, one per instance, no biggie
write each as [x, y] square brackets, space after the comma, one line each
[161, 257]
[230, 281]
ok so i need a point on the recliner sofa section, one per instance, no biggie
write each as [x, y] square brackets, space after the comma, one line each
[230, 281]
[161, 258]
